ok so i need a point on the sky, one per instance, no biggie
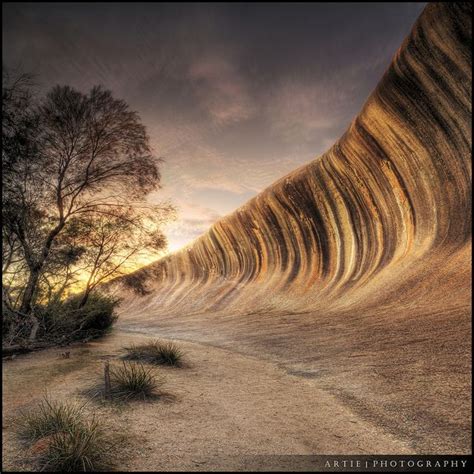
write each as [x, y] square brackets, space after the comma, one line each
[234, 96]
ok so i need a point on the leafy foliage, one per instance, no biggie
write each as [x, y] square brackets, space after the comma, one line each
[77, 171]
[63, 322]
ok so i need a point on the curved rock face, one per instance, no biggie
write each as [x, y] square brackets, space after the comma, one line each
[395, 187]
[364, 251]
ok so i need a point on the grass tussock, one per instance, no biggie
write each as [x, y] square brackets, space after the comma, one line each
[134, 381]
[81, 449]
[49, 417]
[129, 381]
[155, 352]
[65, 437]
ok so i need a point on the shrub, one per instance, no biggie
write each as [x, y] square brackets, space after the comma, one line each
[15, 327]
[97, 314]
[131, 381]
[66, 321]
[62, 321]
[155, 352]
[137, 282]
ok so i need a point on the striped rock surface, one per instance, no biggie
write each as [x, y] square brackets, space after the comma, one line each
[353, 270]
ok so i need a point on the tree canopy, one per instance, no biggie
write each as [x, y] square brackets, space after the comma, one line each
[77, 170]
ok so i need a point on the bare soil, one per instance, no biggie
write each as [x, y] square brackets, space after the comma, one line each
[223, 411]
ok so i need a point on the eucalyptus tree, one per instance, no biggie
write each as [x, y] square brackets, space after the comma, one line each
[74, 158]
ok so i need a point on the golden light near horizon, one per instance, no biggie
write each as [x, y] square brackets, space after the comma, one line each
[175, 246]
[251, 233]
[228, 118]
[142, 259]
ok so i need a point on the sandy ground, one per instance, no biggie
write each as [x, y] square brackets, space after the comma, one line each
[225, 411]
[397, 353]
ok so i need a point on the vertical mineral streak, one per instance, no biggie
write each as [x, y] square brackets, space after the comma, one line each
[353, 269]
[396, 188]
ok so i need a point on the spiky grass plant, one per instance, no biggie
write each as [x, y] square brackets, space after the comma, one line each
[134, 381]
[155, 352]
[80, 449]
[49, 417]
[65, 436]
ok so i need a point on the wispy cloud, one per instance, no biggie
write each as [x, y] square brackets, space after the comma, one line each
[194, 220]
[233, 95]
[222, 90]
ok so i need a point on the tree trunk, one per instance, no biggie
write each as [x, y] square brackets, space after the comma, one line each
[84, 298]
[12, 330]
[35, 270]
[34, 328]
[27, 300]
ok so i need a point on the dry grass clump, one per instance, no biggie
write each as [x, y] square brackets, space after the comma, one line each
[134, 381]
[49, 417]
[155, 352]
[81, 449]
[126, 382]
[66, 438]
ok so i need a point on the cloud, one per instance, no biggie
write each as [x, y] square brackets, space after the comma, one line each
[194, 220]
[233, 95]
[299, 110]
[222, 90]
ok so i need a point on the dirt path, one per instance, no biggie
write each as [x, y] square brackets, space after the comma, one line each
[228, 411]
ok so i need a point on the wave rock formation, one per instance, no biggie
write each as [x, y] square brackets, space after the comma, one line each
[354, 269]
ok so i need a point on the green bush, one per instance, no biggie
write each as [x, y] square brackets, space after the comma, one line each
[62, 322]
[155, 352]
[67, 321]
